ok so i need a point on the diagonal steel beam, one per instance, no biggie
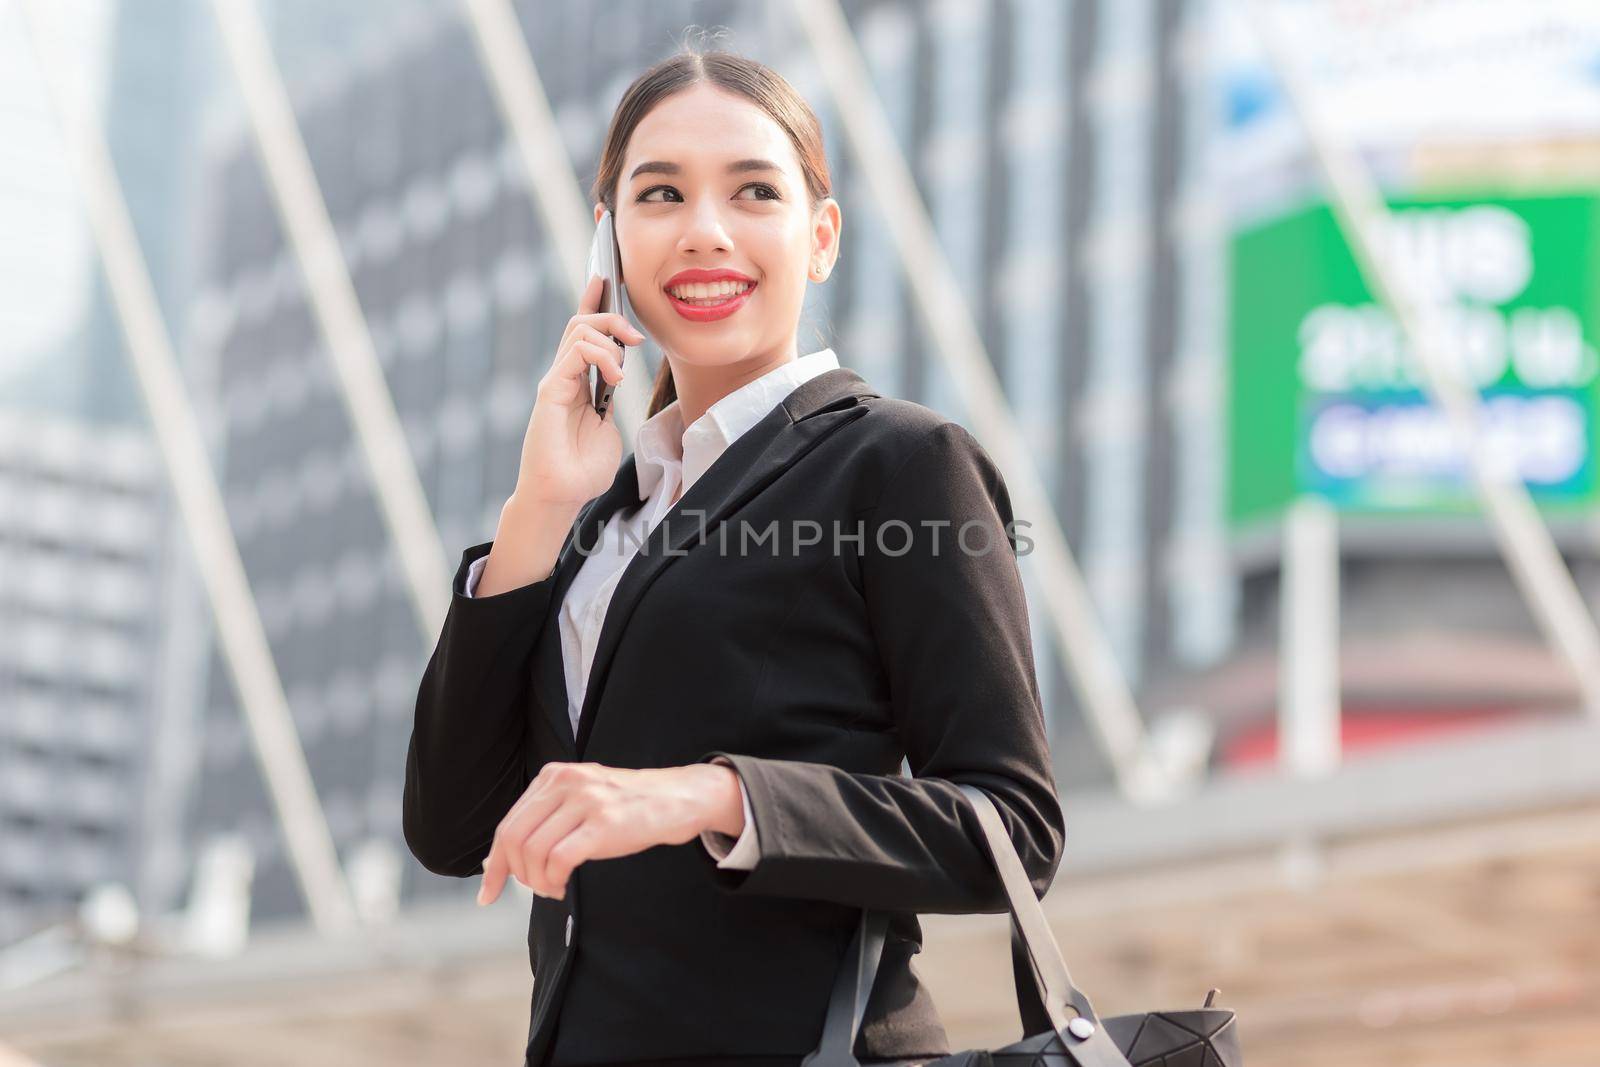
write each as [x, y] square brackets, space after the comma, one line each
[1080, 639]
[552, 179]
[332, 297]
[1526, 543]
[183, 449]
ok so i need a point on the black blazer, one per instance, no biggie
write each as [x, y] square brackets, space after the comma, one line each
[816, 671]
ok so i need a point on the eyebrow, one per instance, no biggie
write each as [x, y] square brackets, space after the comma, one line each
[741, 166]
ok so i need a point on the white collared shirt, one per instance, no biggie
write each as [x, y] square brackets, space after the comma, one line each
[668, 457]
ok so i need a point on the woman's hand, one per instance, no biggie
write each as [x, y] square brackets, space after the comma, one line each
[573, 812]
[570, 454]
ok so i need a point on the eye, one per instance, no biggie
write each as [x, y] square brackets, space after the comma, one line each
[772, 194]
[644, 197]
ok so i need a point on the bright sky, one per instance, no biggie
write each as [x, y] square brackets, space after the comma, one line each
[45, 251]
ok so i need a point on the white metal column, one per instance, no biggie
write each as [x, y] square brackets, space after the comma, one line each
[1308, 647]
[183, 448]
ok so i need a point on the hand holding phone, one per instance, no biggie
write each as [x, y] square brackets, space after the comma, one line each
[570, 454]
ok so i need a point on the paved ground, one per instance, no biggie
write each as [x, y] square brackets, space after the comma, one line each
[1470, 946]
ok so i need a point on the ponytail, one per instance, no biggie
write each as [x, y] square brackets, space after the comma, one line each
[664, 392]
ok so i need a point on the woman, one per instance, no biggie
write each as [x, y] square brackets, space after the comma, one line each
[673, 697]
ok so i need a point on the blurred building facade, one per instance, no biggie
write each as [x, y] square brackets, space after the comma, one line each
[81, 560]
[95, 557]
[102, 751]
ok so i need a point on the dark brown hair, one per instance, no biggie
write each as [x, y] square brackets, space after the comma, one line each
[759, 84]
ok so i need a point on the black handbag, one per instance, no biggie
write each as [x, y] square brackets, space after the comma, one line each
[1070, 1033]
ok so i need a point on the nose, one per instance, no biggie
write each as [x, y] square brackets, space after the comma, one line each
[703, 230]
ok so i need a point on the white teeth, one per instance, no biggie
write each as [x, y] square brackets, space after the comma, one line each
[708, 290]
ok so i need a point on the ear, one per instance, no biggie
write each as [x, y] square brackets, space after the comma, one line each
[826, 224]
[599, 209]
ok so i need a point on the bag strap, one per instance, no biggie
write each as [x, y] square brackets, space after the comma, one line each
[847, 1006]
[1055, 983]
[1086, 1041]
[1083, 1036]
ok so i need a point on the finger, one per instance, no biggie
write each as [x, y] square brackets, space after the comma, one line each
[536, 847]
[613, 329]
[569, 359]
[589, 302]
[563, 857]
[607, 326]
[602, 354]
[499, 867]
[612, 324]
[505, 860]
[494, 874]
[522, 823]
[607, 357]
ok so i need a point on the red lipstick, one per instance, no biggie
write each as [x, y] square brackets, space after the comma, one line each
[708, 312]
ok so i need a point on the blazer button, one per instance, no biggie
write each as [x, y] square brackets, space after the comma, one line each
[568, 938]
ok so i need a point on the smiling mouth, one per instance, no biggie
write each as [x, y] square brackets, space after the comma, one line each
[709, 294]
[706, 302]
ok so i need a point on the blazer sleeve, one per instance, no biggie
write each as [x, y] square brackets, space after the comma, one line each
[465, 766]
[951, 624]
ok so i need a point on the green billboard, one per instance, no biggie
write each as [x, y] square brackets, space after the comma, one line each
[1325, 396]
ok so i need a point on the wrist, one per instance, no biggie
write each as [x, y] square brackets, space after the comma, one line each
[723, 810]
[524, 507]
[527, 545]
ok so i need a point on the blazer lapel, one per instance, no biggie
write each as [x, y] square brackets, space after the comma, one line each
[791, 429]
[549, 680]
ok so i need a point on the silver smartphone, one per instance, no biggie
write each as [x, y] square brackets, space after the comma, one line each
[605, 259]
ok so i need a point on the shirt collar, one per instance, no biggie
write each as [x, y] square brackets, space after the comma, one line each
[663, 443]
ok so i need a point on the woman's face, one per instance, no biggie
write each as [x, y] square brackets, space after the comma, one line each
[710, 182]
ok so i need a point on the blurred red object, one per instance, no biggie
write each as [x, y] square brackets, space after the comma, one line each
[1368, 729]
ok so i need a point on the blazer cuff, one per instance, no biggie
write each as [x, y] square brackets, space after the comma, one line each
[510, 610]
[730, 854]
[468, 585]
